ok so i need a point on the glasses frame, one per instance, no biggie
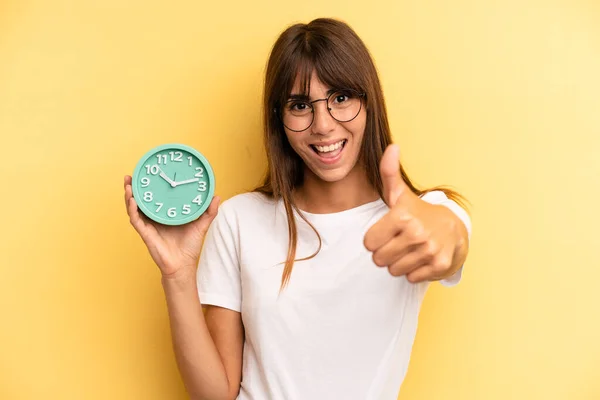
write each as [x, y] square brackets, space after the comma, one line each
[358, 94]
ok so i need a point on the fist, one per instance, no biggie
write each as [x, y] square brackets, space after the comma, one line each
[414, 238]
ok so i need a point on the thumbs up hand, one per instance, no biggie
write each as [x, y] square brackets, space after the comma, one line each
[415, 238]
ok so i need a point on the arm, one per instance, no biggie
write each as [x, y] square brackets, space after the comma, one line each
[208, 348]
[424, 238]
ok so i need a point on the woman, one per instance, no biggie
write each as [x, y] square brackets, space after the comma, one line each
[313, 282]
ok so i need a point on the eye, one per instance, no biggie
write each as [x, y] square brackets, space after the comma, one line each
[298, 106]
[341, 97]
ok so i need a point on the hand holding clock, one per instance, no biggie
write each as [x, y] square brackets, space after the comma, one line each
[172, 219]
[175, 249]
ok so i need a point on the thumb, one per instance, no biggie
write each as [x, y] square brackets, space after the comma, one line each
[209, 215]
[389, 169]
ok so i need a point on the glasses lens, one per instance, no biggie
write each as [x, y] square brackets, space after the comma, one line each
[344, 105]
[297, 115]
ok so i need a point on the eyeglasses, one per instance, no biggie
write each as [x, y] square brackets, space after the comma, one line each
[343, 105]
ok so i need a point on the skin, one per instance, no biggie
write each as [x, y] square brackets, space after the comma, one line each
[423, 241]
[330, 188]
[415, 239]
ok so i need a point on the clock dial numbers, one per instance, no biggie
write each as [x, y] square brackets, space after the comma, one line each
[173, 185]
[152, 169]
[163, 159]
[176, 156]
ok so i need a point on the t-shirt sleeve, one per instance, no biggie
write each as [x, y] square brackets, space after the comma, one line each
[440, 198]
[218, 275]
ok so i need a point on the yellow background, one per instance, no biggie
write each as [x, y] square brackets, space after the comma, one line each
[499, 99]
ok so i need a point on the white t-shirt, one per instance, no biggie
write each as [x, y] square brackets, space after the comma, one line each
[343, 328]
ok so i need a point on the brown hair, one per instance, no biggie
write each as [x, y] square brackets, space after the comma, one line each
[342, 61]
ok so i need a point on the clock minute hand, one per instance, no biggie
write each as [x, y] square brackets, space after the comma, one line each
[186, 181]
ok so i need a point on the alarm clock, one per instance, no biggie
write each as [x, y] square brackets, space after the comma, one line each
[173, 184]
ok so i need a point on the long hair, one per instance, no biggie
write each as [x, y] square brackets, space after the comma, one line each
[341, 60]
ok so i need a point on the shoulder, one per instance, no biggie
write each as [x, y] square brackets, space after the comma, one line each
[246, 201]
[246, 205]
[435, 197]
[239, 216]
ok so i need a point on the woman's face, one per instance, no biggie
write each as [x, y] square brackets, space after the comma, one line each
[329, 148]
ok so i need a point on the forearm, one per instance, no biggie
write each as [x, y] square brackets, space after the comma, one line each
[198, 359]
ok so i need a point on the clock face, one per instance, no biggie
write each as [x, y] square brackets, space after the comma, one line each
[173, 184]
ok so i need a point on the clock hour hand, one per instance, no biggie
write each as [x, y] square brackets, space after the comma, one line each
[186, 181]
[166, 178]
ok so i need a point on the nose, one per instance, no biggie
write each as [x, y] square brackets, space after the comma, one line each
[323, 121]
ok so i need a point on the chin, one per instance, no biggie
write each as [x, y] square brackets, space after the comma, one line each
[331, 176]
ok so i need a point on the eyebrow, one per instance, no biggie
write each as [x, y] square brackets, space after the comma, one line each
[298, 96]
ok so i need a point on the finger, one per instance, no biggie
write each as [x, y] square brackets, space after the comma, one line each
[127, 183]
[211, 212]
[421, 274]
[128, 196]
[128, 193]
[438, 266]
[413, 260]
[384, 230]
[400, 246]
[134, 216]
[389, 169]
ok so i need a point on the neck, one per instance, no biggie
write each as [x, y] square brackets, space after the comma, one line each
[319, 197]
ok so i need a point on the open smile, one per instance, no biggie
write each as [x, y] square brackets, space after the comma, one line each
[329, 153]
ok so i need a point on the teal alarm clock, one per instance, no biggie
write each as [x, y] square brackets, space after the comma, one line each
[173, 184]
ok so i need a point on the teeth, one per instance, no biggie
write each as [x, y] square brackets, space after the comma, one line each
[331, 147]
